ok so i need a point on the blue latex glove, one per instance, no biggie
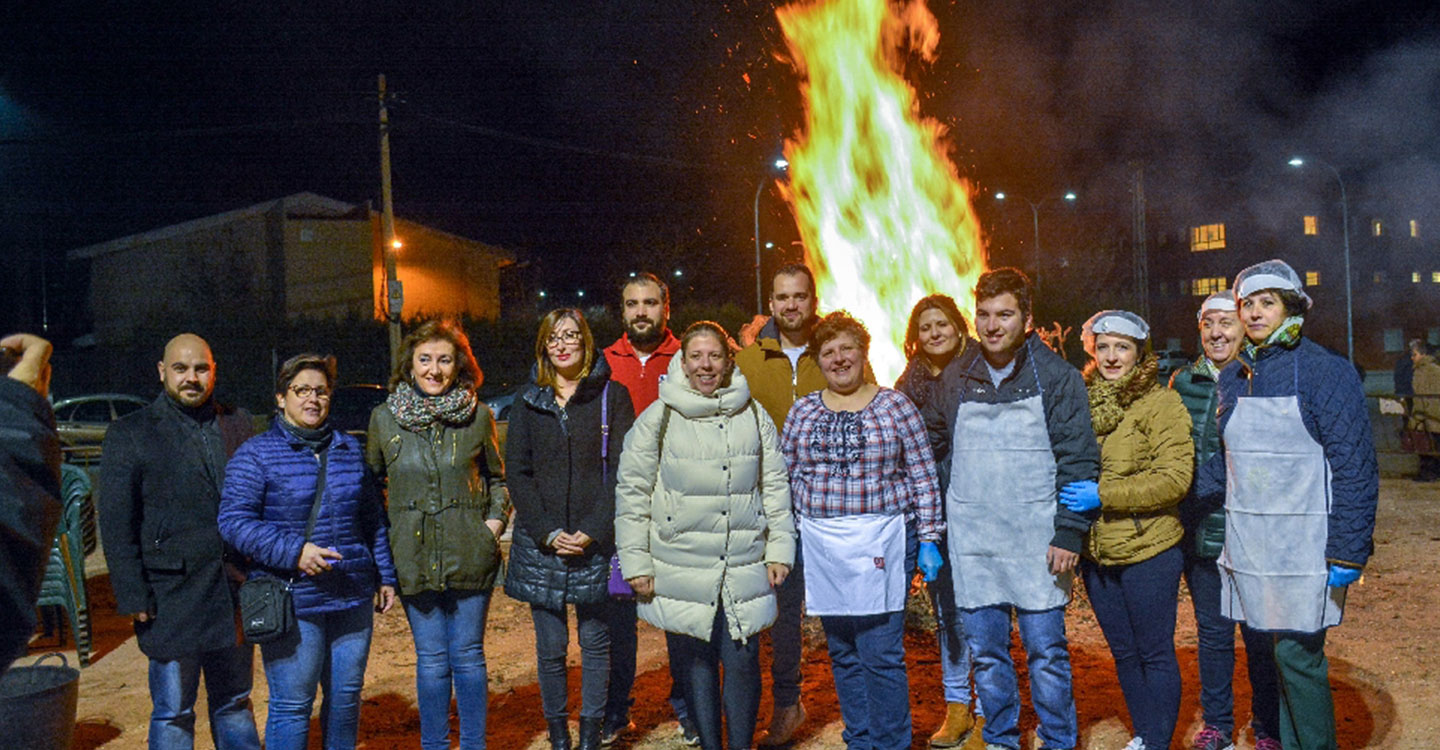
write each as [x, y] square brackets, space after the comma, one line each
[1080, 497]
[930, 560]
[1341, 575]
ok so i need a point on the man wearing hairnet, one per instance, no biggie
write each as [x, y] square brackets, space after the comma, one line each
[1299, 461]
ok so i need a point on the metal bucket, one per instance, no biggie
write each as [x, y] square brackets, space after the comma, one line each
[37, 705]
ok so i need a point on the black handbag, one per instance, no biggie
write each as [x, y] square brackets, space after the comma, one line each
[267, 609]
[267, 612]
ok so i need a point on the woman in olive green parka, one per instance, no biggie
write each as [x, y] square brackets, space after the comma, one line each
[1132, 559]
[435, 444]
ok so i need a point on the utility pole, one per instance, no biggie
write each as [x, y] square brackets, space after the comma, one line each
[1142, 262]
[395, 295]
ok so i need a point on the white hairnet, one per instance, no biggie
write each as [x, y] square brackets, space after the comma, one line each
[1270, 274]
[1217, 301]
[1113, 321]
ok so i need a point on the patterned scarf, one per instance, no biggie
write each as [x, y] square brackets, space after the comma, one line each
[416, 412]
[1110, 398]
[1286, 337]
[1208, 368]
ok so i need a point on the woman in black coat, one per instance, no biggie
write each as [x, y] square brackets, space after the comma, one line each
[562, 454]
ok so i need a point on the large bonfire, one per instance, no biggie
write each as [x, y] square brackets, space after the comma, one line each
[884, 217]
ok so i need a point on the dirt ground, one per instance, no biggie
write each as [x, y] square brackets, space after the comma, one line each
[1385, 666]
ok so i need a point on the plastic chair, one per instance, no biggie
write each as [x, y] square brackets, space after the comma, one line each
[64, 583]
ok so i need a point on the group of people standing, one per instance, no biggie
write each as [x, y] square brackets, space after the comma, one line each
[719, 492]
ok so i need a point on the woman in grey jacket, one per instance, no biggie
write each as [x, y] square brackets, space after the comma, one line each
[704, 529]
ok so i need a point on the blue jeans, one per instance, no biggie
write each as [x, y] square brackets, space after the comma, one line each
[785, 638]
[1048, 658]
[954, 651]
[328, 649]
[701, 662]
[1135, 606]
[449, 632]
[552, 639]
[1216, 655]
[173, 685]
[623, 645]
[867, 659]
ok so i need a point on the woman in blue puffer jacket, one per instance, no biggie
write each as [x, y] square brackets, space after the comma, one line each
[336, 571]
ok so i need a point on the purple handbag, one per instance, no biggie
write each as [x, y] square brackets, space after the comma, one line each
[618, 586]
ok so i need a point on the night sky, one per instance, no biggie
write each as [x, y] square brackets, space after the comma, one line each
[596, 137]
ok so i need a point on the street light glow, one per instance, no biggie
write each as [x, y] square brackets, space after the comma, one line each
[781, 163]
[581, 293]
[1296, 162]
[769, 246]
[999, 196]
[396, 243]
[1070, 196]
[678, 273]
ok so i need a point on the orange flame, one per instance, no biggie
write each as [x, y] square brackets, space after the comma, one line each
[884, 217]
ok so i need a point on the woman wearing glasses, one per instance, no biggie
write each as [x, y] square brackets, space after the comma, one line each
[435, 445]
[301, 504]
[562, 455]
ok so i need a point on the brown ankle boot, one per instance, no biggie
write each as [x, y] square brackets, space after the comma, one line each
[783, 725]
[958, 726]
[975, 741]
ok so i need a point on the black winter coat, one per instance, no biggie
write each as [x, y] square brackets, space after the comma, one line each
[30, 491]
[558, 483]
[159, 501]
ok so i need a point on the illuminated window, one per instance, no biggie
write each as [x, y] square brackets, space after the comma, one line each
[1414, 228]
[1379, 277]
[1375, 228]
[1208, 286]
[1414, 277]
[1312, 225]
[1208, 237]
[1312, 278]
[1435, 277]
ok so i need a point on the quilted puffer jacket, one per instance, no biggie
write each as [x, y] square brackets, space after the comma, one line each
[558, 483]
[1332, 408]
[269, 488]
[706, 511]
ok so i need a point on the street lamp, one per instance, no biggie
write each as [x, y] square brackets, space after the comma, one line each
[1035, 217]
[1345, 230]
[780, 165]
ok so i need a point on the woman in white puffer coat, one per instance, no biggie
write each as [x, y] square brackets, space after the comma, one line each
[704, 528]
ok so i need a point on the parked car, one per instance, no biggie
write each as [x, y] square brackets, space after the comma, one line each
[83, 420]
[1171, 360]
[350, 407]
[500, 405]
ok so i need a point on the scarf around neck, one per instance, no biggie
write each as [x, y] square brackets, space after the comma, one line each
[1286, 336]
[416, 412]
[1110, 398]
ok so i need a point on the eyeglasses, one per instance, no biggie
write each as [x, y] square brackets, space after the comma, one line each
[564, 337]
[306, 391]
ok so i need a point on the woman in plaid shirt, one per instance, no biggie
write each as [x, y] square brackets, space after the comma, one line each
[864, 486]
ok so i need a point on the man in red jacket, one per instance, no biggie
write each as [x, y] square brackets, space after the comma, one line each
[638, 360]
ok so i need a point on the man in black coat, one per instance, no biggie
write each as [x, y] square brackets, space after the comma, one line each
[29, 487]
[163, 468]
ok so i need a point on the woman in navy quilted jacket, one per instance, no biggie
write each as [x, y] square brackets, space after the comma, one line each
[338, 572]
[1299, 482]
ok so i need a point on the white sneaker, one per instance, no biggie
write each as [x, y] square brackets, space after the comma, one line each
[1135, 744]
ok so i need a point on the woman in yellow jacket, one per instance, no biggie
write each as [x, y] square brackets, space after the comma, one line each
[1132, 560]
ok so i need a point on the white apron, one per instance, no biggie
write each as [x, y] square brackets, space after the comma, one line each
[854, 565]
[1000, 508]
[1277, 509]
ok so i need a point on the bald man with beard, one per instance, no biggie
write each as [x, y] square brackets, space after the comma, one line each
[162, 471]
